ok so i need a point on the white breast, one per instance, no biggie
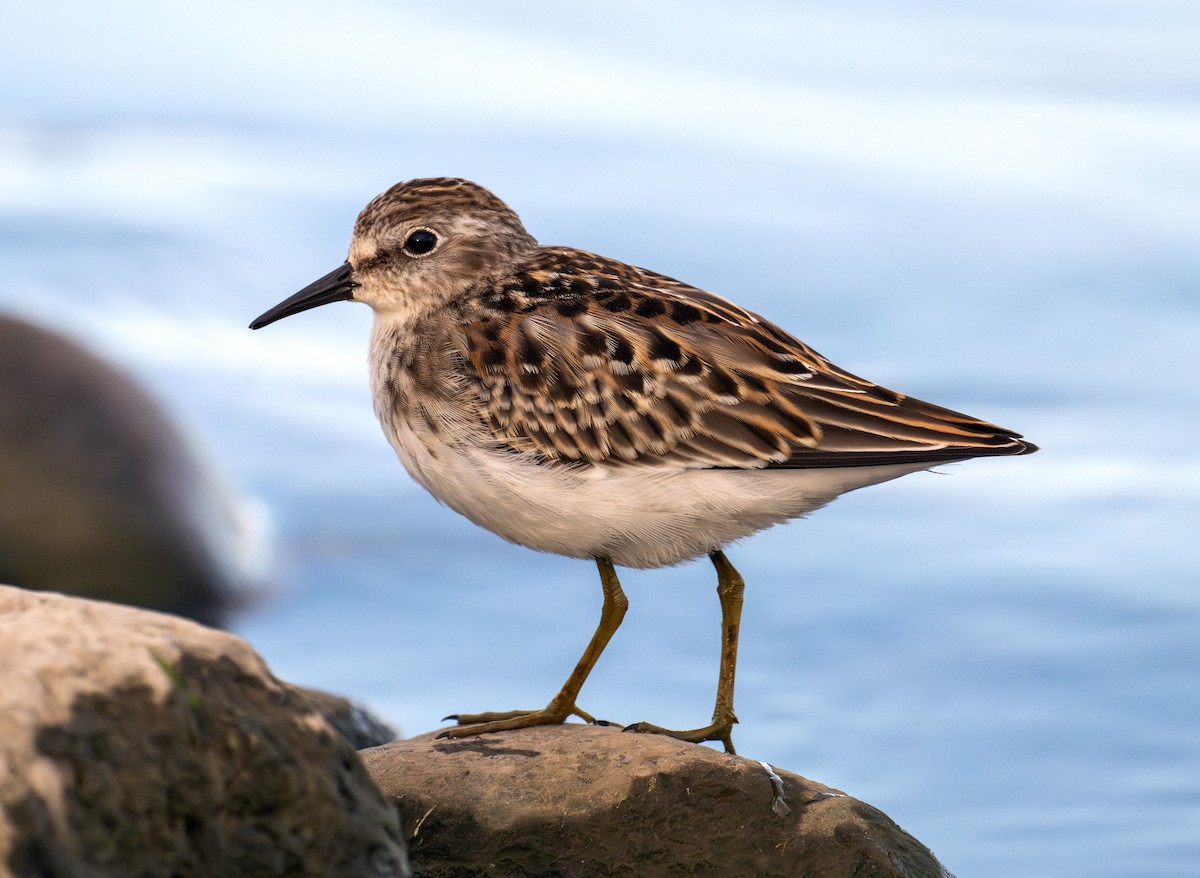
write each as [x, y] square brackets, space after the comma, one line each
[637, 516]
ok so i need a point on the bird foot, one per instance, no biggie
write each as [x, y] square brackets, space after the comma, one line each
[470, 724]
[720, 729]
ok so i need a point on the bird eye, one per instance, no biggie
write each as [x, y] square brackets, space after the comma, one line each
[420, 242]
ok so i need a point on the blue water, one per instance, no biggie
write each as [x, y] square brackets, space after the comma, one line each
[992, 208]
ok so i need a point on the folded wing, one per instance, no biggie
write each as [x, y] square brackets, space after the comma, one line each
[580, 358]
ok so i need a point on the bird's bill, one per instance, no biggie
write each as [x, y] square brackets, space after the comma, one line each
[337, 286]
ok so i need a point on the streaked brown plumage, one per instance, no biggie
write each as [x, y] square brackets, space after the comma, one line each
[581, 405]
[583, 358]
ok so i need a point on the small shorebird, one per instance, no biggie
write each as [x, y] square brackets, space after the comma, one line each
[578, 405]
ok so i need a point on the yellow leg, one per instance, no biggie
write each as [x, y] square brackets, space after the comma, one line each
[563, 704]
[730, 588]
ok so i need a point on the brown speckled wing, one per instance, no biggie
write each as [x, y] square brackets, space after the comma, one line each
[582, 358]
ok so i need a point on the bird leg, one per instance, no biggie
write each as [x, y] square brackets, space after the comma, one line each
[730, 587]
[561, 705]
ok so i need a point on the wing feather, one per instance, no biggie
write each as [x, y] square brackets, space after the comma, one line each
[585, 359]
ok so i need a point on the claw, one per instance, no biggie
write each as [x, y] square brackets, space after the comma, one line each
[719, 730]
[505, 722]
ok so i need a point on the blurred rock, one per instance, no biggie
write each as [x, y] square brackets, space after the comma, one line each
[578, 800]
[136, 743]
[100, 495]
[352, 721]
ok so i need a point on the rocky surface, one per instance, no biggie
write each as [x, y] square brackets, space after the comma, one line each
[352, 721]
[135, 743]
[101, 495]
[579, 800]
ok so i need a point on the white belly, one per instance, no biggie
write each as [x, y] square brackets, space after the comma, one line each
[638, 516]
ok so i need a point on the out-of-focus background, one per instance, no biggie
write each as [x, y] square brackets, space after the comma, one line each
[991, 206]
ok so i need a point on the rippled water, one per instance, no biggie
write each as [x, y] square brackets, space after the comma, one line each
[996, 211]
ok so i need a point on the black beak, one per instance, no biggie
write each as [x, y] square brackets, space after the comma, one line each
[337, 286]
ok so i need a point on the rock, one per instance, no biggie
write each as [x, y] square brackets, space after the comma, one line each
[578, 800]
[102, 496]
[352, 721]
[136, 743]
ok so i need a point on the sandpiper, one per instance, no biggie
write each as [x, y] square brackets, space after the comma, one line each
[579, 405]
